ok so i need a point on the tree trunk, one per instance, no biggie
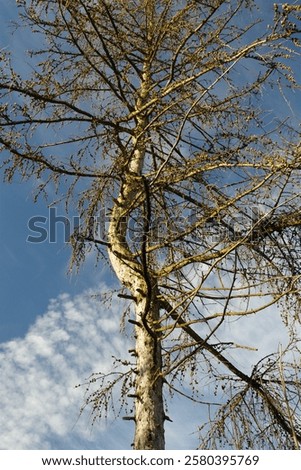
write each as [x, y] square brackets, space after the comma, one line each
[133, 274]
[149, 410]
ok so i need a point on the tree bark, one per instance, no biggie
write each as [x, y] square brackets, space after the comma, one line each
[133, 274]
[149, 409]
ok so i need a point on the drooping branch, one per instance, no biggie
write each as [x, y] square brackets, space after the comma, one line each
[251, 381]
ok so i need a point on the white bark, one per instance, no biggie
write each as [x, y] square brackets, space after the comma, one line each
[149, 410]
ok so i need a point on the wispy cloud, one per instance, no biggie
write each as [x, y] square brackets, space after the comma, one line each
[39, 402]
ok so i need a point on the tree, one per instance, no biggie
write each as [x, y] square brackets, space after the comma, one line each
[154, 110]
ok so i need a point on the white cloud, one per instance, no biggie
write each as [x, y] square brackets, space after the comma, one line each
[39, 402]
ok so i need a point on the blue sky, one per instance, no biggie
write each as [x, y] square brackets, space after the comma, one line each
[53, 334]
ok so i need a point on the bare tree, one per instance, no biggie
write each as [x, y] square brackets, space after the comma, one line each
[154, 110]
